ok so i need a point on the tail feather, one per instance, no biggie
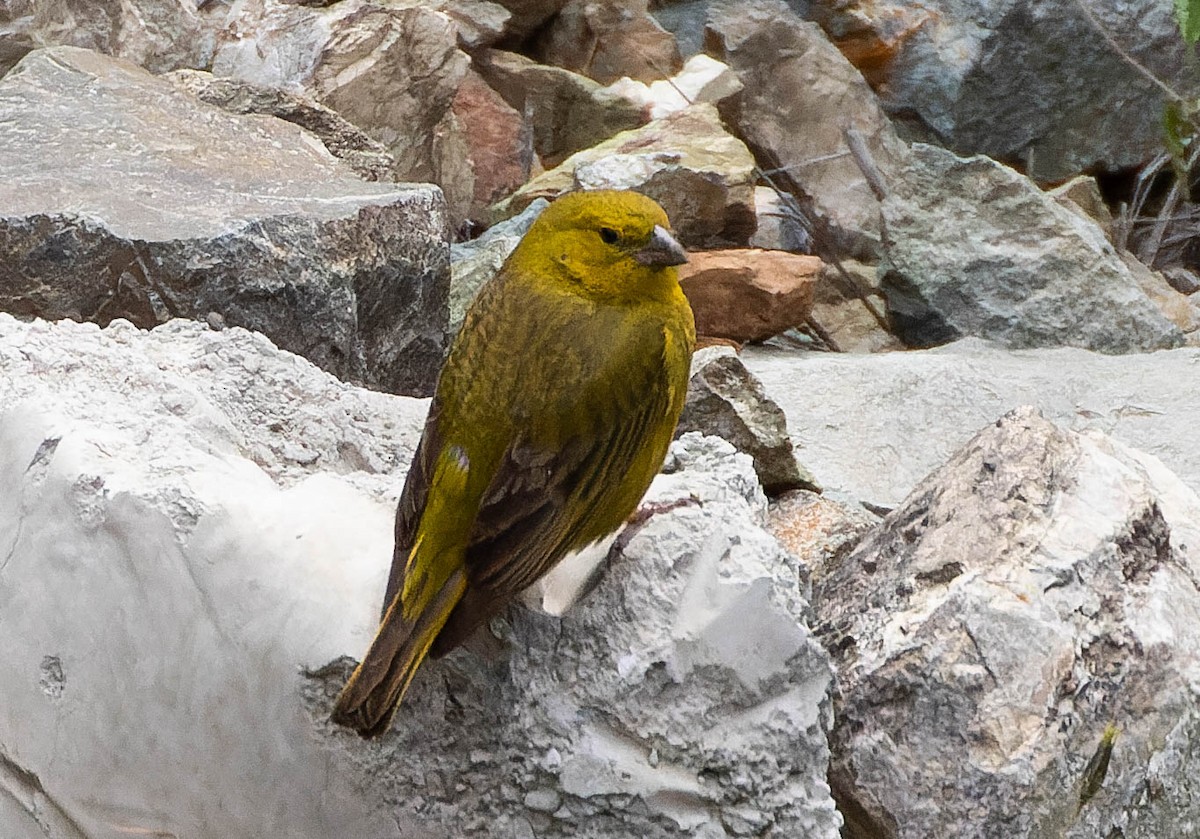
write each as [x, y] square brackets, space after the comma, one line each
[370, 698]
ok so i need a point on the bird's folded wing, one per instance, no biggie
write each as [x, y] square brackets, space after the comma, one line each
[541, 505]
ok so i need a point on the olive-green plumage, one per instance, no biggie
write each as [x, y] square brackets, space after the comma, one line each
[552, 414]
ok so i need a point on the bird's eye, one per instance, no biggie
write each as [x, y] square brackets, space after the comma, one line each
[609, 236]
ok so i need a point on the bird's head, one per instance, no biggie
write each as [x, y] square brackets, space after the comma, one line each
[610, 244]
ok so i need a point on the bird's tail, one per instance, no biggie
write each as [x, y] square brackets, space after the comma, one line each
[369, 700]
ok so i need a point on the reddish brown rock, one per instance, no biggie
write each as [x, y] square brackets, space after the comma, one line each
[608, 40]
[500, 150]
[749, 295]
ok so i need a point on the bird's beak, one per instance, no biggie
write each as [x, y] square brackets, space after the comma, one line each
[662, 249]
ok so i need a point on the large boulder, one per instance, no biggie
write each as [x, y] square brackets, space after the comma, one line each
[190, 515]
[123, 197]
[1033, 82]
[975, 248]
[799, 96]
[1018, 647]
[905, 414]
[195, 524]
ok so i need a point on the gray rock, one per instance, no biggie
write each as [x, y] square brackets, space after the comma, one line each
[686, 18]
[853, 311]
[799, 97]
[974, 248]
[391, 69]
[228, 509]
[1036, 590]
[135, 200]
[157, 35]
[725, 400]
[682, 697]
[778, 226]
[365, 156]
[475, 262]
[873, 426]
[1027, 82]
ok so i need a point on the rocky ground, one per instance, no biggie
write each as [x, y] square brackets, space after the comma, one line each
[923, 560]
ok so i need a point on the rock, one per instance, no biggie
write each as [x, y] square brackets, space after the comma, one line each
[725, 400]
[1182, 279]
[778, 227]
[480, 23]
[369, 159]
[682, 697]
[799, 97]
[1082, 195]
[451, 148]
[749, 295]
[685, 20]
[529, 15]
[158, 35]
[702, 79]
[1034, 84]
[501, 153]
[390, 70]
[702, 176]
[1034, 592]
[16, 19]
[1173, 305]
[818, 529]
[566, 111]
[198, 484]
[974, 248]
[873, 425]
[475, 262]
[606, 40]
[138, 201]
[840, 306]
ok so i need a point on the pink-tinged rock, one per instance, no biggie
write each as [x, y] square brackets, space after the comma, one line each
[749, 295]
[501, 153]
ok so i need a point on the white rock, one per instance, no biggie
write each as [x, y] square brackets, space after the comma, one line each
[702, 79]
[193, 519]
[165, 571]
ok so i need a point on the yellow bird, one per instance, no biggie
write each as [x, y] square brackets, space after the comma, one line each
[551, 416]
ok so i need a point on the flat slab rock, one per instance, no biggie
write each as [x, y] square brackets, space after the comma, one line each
[123, 197]
[194, 519]
[872, 426]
